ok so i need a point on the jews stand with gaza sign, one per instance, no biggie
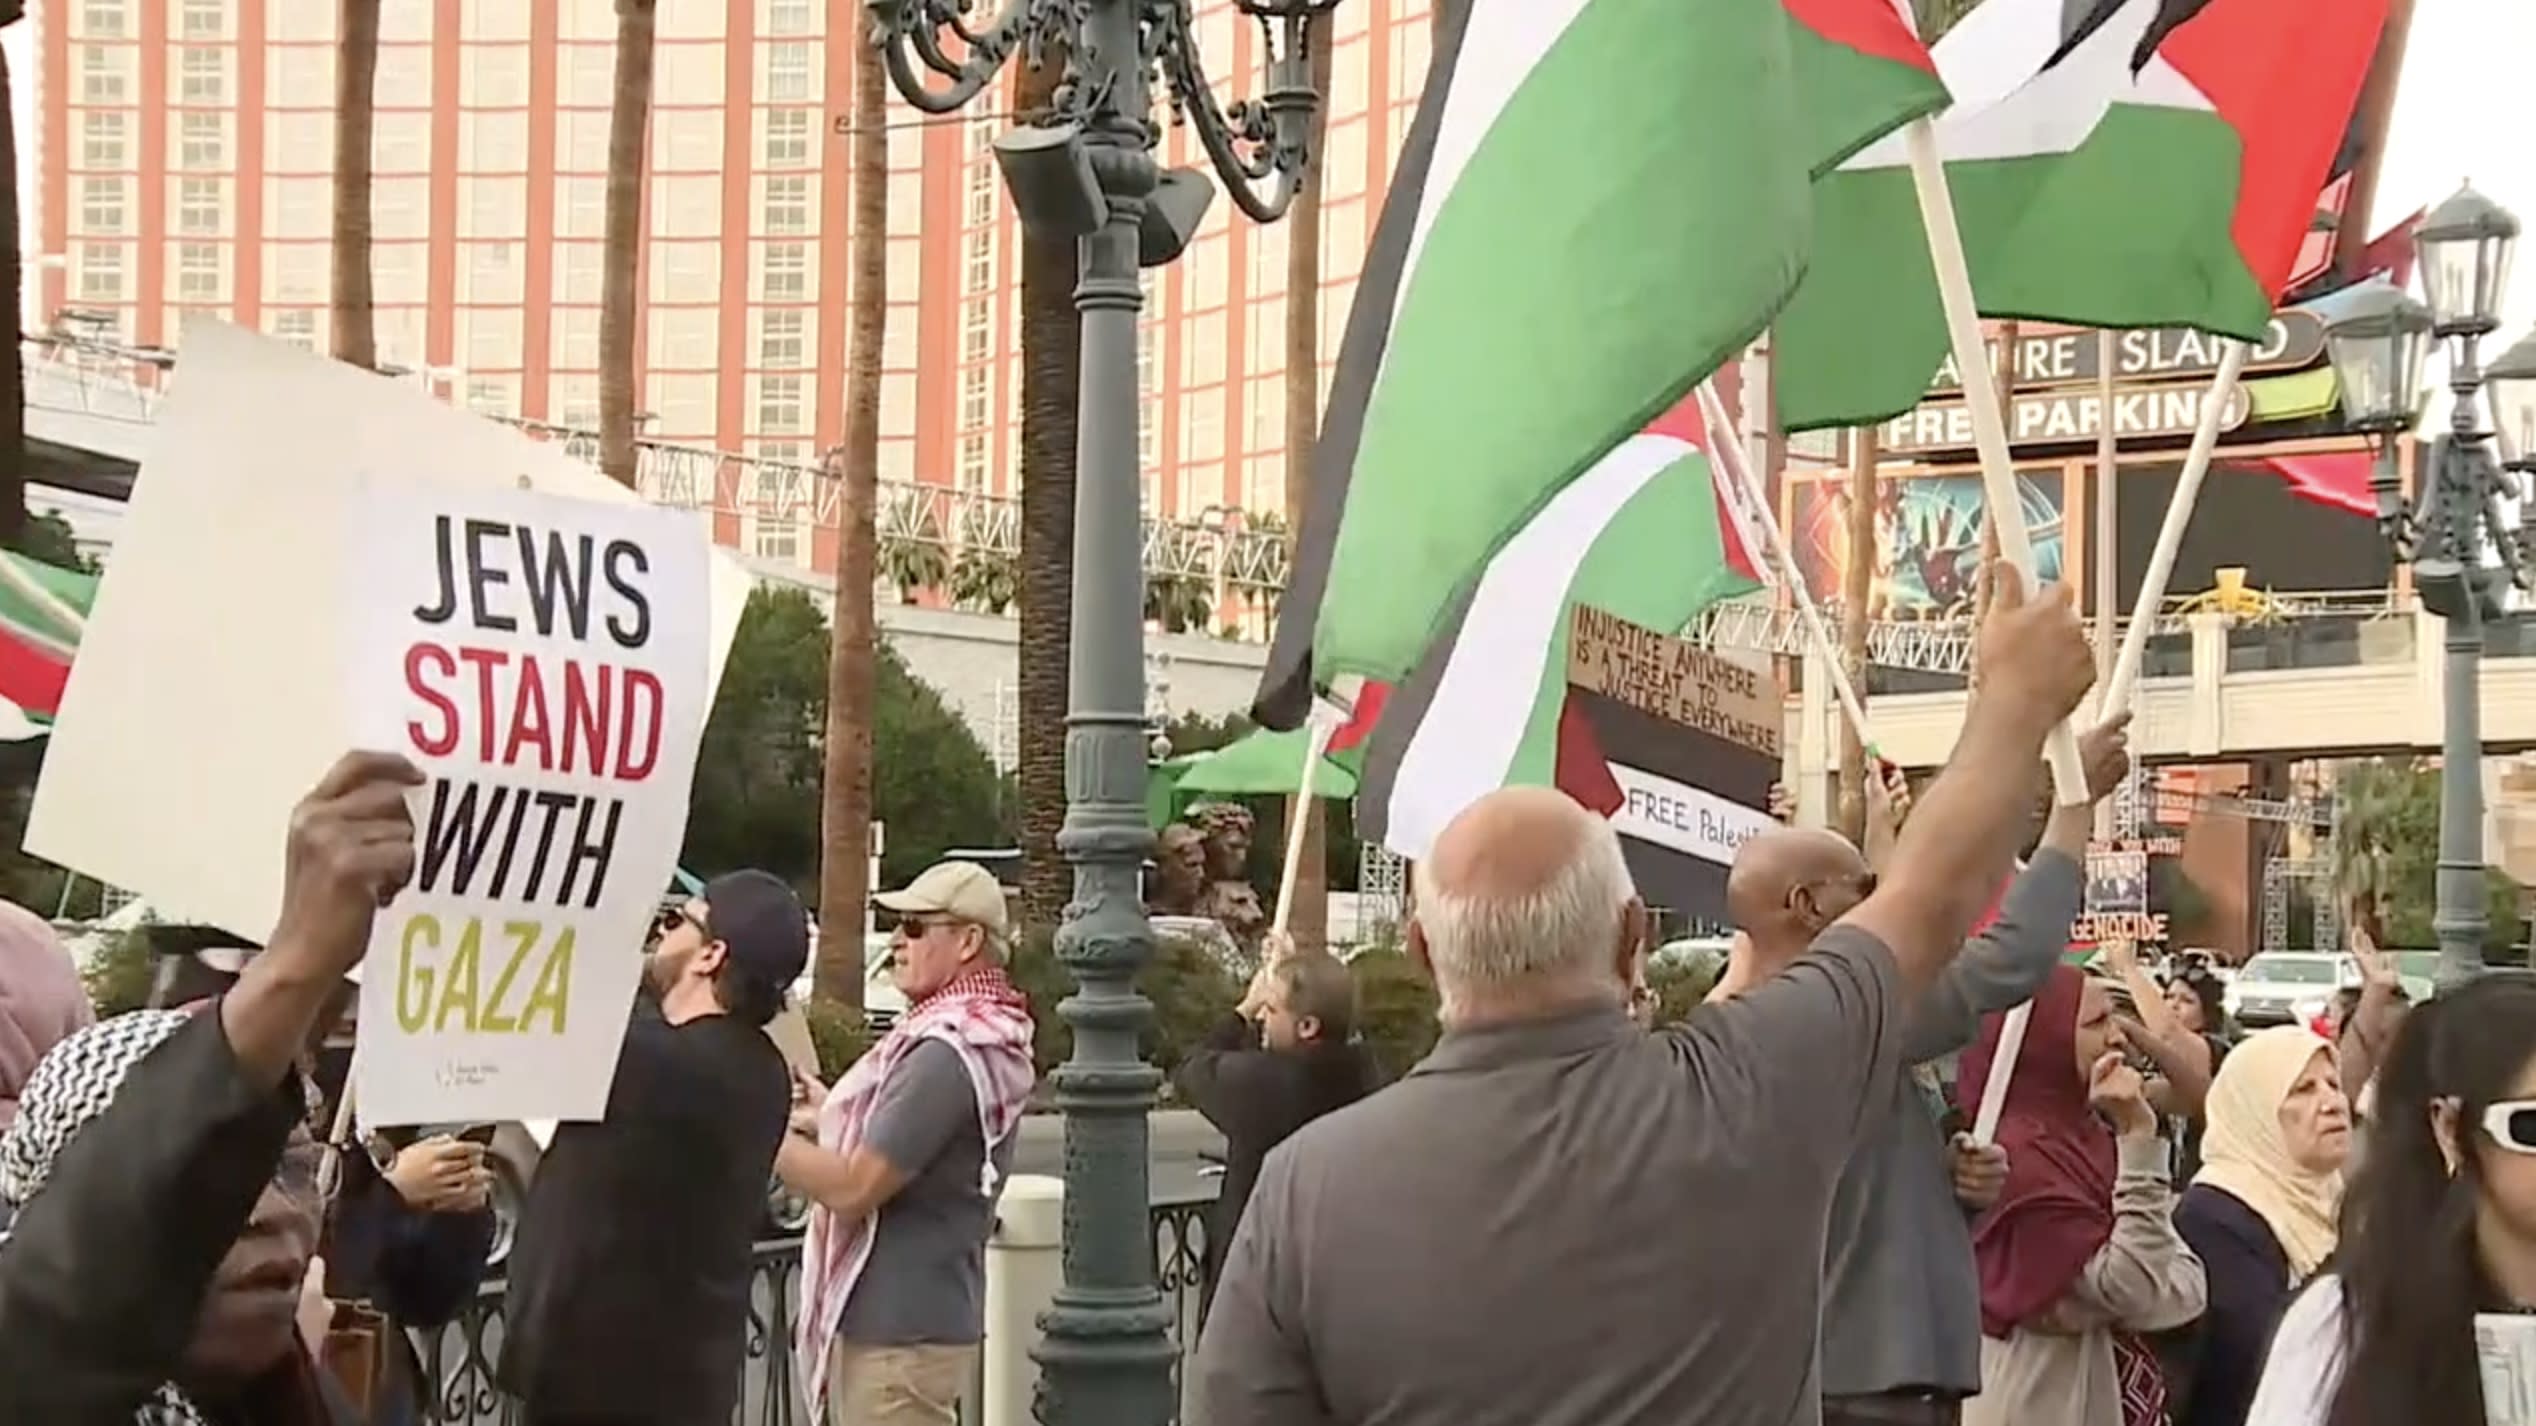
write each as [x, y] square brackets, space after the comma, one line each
[543, 661]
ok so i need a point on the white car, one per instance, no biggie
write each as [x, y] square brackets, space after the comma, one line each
[2289, 987]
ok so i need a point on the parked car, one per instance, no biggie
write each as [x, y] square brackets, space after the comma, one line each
[2289, 987]
[2419, 972]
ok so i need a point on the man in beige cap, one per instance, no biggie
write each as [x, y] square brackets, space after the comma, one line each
[904, 1160]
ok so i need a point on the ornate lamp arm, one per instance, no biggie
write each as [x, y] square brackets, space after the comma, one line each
[911, 33]
[1259, 147]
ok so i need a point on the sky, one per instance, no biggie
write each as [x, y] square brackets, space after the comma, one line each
[2464, 64]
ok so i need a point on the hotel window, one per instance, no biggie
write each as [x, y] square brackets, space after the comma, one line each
[981, 194]
[780, 340]
[496, 207]
[973, 394]
[204, 20]
[296, 272]
[197, 272]
[1202, 426]
[1266, 399]
[787, 138]
[1267, 259]
[1409, 51]
[589, 76]
[1148, 358]
[297, 326]
[493, 395]
[1149, 436]
[489, 273]
[686, 338]
[787, 72]
[300, 76]
[492, 143]
[401, 143]
[788, 204]
[102, 207]
[198, 206]
[104, 76]
[202, 76]
[104, 141]
[779, 404]
[575, 343]
[573, 401]
[777, 498]
[898, 405]
[1202, 351]
[578, 273]
[979, 276]
[1267, 332]
[787, 273]
[311, 20]
[788, 17]
[202, 141]
[972, 471]
[101, 272]
[493, 76]
[490, 338]
[104, 19]
[977, 331]
[399, 208]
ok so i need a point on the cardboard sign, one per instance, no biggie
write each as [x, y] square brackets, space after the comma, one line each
[543, 661]
[209, 693]
[1677, 746]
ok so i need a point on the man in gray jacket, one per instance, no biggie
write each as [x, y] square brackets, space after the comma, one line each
[1901, 1303]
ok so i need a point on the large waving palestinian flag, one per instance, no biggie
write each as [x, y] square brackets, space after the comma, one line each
[1525, 308]
[1651, 534]
[35, 653]
[2159, 168]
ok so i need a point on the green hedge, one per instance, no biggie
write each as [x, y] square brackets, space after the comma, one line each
[1395, 1008]
[1189, 988]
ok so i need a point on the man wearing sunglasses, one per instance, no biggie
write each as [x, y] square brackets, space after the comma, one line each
[629, 1287]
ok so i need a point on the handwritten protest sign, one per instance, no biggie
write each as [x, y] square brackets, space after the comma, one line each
[543, 661]
[206, 696]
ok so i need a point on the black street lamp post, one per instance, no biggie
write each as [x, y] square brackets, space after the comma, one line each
[2465, 554]
[1088, 173]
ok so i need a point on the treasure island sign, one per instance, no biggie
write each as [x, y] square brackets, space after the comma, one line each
[1677, 746]
[2062, 362]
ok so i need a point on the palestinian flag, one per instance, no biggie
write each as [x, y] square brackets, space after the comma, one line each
[2159, 168]
[35, 652]
[1522, 311]
[1651, 534]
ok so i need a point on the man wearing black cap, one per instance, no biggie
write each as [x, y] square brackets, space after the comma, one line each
[629, 1287]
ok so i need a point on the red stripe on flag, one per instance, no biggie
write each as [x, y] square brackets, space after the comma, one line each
[1871, 27]
[2339, 479]
[1740, 556]
[30, 677]
[1583, 772]
[1360, 723]
[1683, 423]
[2284, 75]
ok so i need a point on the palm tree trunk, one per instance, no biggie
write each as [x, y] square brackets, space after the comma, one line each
[12, 287]
[1051, 369]
[629, 117]
[1309, 922]
[1857, 584]
[350, 320]
[845, 803]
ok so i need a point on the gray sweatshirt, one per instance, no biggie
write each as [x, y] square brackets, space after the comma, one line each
[1901, 1303]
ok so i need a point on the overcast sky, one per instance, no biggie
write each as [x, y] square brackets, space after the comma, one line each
[2465, 64]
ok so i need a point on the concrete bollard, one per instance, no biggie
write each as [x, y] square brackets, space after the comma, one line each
[1023, 1272]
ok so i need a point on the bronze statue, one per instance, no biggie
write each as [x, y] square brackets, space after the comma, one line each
[1179, 871]
[1225, 830]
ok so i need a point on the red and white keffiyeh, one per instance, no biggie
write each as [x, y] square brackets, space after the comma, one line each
[987, 1023]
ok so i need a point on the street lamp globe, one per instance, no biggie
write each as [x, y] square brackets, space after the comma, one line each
[2378, 344]
[2465, 245]
[2511, 378]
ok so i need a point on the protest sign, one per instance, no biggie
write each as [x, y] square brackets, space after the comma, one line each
[542, 660]
[1677, 746]
[209, 693]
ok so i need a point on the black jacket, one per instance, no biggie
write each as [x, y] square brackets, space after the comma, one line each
[2222, 1355]
[104, 1271]
[416, 1268]
[629, 1286]
[1257, 1097]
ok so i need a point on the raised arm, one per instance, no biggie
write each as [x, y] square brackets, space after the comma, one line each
[2144, 1278]
[2033, 665]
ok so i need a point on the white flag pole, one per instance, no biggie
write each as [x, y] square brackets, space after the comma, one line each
[1749, 498]
[2117, 691]
[1316, 742]
[1994, 1090]
[1989, 427]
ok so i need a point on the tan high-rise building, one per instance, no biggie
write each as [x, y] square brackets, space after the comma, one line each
[185, 154]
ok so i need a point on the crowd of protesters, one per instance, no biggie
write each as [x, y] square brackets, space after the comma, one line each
[1775, 1212]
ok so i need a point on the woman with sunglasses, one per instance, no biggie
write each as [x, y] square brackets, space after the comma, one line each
[2439, 1224]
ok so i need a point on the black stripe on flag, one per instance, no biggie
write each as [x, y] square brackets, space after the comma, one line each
[1286, 685]
[1668, 876]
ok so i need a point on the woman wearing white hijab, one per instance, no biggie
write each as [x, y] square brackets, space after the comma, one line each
[2260, 1213]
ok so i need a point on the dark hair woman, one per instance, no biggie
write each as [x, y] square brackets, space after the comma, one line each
[2438, 1224]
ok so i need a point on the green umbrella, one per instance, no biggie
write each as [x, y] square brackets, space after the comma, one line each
[1269, 764]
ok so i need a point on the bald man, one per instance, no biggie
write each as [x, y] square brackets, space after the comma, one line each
[1901, 1305]
[1557, 1219]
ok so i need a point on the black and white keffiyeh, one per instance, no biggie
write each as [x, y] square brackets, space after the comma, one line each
[71, 1086]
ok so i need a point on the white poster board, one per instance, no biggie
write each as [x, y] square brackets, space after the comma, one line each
[209, 691]
[542, 660]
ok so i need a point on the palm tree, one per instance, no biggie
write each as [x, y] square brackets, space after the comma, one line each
[2369, 798]
[912, 564]
[12, 279]
[629, 116]
[1051, 366]
[1857, 585]
[845, 802]
[1309, 921]
[350, 320]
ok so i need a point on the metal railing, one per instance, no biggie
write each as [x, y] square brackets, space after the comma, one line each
[463, 1358]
